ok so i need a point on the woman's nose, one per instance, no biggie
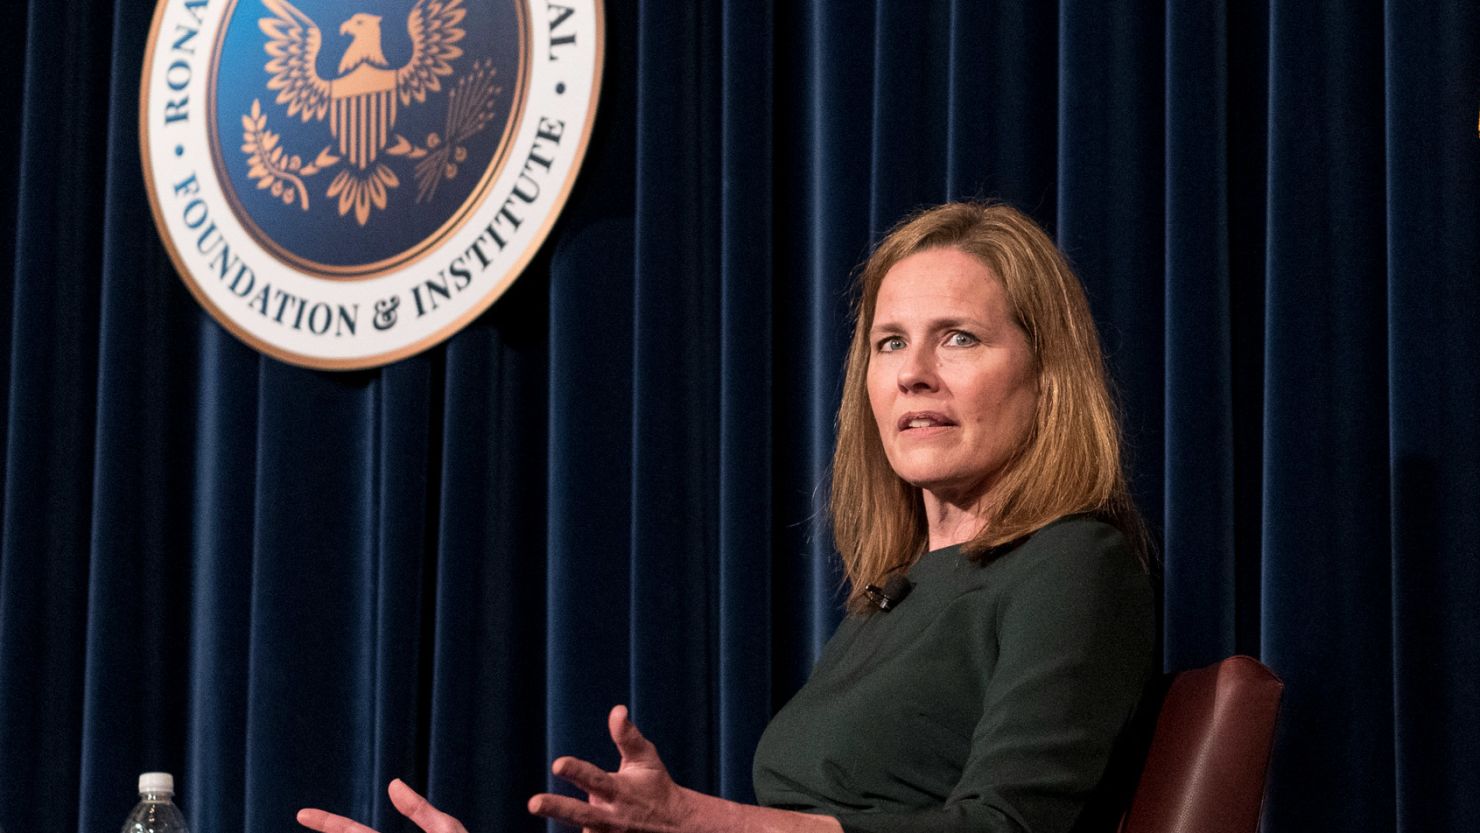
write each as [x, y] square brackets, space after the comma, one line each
[917, 371]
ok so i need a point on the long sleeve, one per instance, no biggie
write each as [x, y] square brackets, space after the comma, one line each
[994, 706]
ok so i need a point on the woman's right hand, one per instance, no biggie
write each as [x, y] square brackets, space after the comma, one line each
[407, 801]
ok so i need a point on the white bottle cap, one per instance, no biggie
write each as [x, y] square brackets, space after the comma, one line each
[156, 782]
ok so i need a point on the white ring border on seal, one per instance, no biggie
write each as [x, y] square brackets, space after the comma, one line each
[572, 67]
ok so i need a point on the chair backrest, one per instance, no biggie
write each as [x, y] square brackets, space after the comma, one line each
[1209, 753]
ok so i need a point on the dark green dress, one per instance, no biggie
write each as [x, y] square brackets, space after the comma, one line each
[989, 700]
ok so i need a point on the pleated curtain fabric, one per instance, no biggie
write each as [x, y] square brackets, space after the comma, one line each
[288, 586]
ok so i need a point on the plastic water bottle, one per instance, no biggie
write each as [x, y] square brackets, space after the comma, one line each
[156, 811]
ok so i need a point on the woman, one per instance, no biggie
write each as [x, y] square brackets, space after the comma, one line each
[978, 457]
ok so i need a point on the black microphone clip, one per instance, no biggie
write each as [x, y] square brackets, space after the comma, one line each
[891, 594]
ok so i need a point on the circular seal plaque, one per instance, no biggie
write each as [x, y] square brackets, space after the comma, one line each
[343, 184]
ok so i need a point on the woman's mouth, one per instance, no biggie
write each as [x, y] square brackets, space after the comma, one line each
[923, 419]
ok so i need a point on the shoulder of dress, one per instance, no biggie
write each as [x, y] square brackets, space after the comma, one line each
[1076, 550]
[1078, 533]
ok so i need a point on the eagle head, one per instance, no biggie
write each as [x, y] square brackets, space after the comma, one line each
[365, 48]
[361, 25]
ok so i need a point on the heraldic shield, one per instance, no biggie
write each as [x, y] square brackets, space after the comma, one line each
[353, 137]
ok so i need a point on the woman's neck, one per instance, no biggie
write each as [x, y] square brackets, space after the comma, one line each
[950, 523]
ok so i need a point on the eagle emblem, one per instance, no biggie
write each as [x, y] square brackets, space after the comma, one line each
[361, 102]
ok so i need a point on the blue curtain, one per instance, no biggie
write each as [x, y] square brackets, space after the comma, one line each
[288, 586]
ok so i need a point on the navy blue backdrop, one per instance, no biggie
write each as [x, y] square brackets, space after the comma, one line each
[288, 586]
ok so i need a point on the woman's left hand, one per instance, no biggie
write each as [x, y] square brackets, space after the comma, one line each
[408, 801]
[640, 797]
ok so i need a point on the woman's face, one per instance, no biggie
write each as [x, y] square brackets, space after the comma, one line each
[951, 377]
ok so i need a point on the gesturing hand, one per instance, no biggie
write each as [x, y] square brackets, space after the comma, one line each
[640, 797]
[408, 801]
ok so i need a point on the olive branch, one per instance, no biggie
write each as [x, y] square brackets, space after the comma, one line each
[469, 110]
[272, 167]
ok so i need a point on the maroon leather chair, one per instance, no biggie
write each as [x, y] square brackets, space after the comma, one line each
[1209, 753]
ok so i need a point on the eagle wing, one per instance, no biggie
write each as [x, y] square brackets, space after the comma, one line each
[293, 41]
[434, 29]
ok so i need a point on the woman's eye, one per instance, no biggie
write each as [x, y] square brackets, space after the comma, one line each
[891, 344]
[960, 339]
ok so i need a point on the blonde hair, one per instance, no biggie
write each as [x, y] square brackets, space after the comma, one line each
[1070, 461]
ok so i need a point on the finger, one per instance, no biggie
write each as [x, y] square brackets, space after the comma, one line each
[630, 742]
[567, 810]
[326, 822]
[421, 812]
[588, 776]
